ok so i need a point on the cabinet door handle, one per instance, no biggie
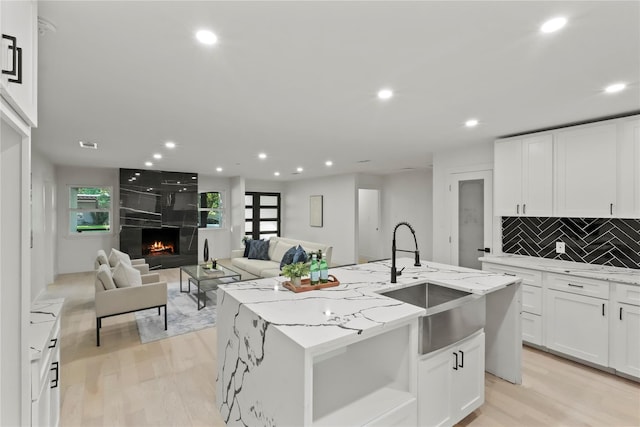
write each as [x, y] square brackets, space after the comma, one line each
[16, 69]
[461, 359]
[575, 286]
[611, 208]
[524, 208]
[54, 341]
[455, 365]
[620, 313]
[518, 209]
[55, 368]
[603, 309]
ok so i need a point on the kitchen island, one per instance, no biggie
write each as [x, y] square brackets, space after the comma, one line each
[345, 355]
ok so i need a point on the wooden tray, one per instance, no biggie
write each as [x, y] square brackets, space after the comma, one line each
[307, 286]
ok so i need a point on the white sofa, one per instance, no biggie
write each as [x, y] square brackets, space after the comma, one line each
[277, 248]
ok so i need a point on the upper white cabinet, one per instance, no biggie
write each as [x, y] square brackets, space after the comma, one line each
[629, 169]
[19, 56]
[585, 172]
[524, 176]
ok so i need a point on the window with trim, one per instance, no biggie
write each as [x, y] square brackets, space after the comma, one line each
[262, 215]
[89, 210]
[210, 210]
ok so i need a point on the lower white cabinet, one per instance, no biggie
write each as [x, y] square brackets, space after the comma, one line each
[451, 382]
[578, 326]
[625, 328]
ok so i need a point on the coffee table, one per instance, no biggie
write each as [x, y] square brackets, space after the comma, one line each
[206, 279]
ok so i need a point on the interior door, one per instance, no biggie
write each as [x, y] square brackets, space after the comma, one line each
[369, 235]
[471, 217]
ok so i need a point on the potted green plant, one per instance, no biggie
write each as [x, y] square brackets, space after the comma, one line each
[295, 271]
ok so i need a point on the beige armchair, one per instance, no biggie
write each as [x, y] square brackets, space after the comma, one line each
[112, 301]
[102, 258]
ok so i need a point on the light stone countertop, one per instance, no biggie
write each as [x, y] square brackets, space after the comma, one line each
[44, 314]
[318, 318]
[594, 271]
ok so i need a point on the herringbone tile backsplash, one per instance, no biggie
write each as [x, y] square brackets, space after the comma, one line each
[614, 242]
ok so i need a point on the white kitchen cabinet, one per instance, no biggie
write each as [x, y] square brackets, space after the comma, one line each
[625, 327]
[19, 56]
[585, 171]
[531, 300]
[451, 382]
[629, 169]
[578, 326]
[524, 176]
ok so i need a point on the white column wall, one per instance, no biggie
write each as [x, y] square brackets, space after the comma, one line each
[237, 190]
[42, 216]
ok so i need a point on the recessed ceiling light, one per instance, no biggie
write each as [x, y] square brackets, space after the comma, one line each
[194, 177]
[328, 163]
[385, 93]
[148, 164]
[299, 169]
[170, 144]
[616, 87]
[276, 173]
[262, 155]
[553, 25]
[185, 189]
[133, 178]
[471, 123]
[85, 144]
[218, 169]
[137, 173]
[157, 156]
[206, 37]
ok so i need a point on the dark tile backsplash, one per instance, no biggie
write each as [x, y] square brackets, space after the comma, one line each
[614, 242]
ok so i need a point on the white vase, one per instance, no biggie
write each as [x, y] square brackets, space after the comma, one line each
[296, 281]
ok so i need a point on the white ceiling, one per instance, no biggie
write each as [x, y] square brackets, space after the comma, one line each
[298, 80]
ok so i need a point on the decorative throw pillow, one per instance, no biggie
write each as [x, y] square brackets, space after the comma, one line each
[259, 250]
[247, 247]
[116, 256]
[125, 276]
[102, 258]
[300, 255]
[287, 258]
[104, 276]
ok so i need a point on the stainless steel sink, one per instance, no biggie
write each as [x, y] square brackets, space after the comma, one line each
[451, 314]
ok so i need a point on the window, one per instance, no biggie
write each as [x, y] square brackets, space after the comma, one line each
[210, 210]
[262, 215]
[89, 210]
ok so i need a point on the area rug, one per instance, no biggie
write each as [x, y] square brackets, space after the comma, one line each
[183, 315]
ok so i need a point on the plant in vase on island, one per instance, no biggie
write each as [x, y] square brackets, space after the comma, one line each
[295, 271]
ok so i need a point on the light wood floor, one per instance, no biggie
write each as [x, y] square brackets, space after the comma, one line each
[172, 381]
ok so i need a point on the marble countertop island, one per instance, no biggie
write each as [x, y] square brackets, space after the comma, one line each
[594, 271]
[272, 338]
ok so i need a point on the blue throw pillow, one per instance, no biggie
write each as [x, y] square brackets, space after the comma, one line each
[287, 258]
[300, 255]
[259, 250]
[247, 246]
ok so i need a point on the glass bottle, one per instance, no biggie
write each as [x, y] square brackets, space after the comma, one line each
[324, 269]
[314, 270]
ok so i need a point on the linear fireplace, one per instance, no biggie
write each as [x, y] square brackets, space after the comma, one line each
[159, 217]
[160, 241]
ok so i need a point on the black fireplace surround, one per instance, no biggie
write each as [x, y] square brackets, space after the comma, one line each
[159, 217]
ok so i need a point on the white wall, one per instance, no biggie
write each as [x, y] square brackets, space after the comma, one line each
[444, 163]
[78, 253]
[408, 196]
[237, 203]
[43, 226]
[339, 214]
[219, 238]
